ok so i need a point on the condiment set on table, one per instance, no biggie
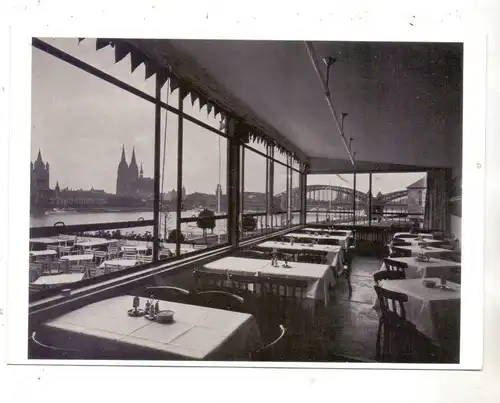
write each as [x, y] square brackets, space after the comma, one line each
[432, 284]
[151, 311]
[423, 257]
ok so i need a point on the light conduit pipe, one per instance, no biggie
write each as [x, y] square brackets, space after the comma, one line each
[312, 56]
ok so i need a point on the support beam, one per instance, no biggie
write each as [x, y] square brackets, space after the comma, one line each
[180, 128]
[156, 180]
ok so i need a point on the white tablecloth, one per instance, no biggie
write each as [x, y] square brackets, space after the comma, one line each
[58, 279]
[93, 242]
[118, 263]
[433, 268]
[405, 234]
[197, 332]
[319, 277]
[298, 236]
[334, 253]
[78, 258]
[327, 230]
[46, 252]
[431, 251]
[435, 312]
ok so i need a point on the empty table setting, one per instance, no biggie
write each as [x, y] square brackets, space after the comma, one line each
[434, 311]
[320, 277]
[58, 279]
[78, 258]
[424, 269]
[334, 253]
[40, 253]
[415, 250]
[118, 263]
[196, 332]
[342, 239]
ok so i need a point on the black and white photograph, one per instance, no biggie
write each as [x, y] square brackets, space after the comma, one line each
[245, 201]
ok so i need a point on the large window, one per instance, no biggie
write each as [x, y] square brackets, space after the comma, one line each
[119, 180]
[367, 199]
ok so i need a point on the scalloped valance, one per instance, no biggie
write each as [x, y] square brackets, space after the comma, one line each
[177, 68]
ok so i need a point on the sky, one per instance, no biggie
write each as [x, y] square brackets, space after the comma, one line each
[80, 124]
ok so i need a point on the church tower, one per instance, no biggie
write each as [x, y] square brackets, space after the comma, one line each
[122, 176]
[133, 174]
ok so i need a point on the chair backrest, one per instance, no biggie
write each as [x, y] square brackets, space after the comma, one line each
[221, 300]
[210, 280]
[144, 259]
[387, 275]
[169, 293]
[395, 265]
[253, 254]
[400, 242]
[128, 254]
[272, 350]
[337, 233]
[65, 250]
[52, 247]
[326, 241]
[391, 303]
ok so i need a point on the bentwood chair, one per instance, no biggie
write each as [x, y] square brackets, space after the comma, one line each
[395, 265]
[387, 275]
[395, 334]
[168, 293]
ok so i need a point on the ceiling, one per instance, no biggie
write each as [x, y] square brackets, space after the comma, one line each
[404, 100]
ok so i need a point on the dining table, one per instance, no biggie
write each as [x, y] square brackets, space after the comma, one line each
[424, 269]
[342, 239]
[104, 329]
[414, 250]
[334, 253]
[319, 277]
[78, 258]
[434, 311]
[58, 279]
[43, 253]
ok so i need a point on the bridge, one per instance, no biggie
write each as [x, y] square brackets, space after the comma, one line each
[328, 197]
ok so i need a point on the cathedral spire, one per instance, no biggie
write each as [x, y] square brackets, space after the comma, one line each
[39, 158]
[123, 154]
[132, 161]
[141, 172]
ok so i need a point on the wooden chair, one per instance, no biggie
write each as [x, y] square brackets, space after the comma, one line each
[39, 347]
[326, 241]
[219, 299]
[395, 265]
[53, 247]
[100, 256]
[113, 251]
[168, 293]
[65, 250]
[64, 266]
[208, 280]
[129, 254]
[394, 333]
[273, 350]
[144, 259]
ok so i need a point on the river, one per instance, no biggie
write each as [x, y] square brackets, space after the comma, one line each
[190, 230]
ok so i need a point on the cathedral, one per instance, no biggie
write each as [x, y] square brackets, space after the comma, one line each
[39, 184]
[130, 179]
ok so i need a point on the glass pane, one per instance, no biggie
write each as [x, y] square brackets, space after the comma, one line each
[295, 196]
[254, 194]
[67, 259]
[204, 174]
[202, 114]
[399, 197]
[168, 171]
[89, 141]
[280, 199]
[104, 60]
[330, 198]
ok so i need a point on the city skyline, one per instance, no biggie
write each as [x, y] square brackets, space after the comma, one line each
[67, 116]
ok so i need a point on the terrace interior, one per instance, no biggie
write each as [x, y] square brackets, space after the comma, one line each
[317, 272]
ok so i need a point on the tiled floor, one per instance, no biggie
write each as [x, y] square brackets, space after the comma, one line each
[351, 321]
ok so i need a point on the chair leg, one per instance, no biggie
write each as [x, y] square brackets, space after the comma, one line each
[377, 346]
